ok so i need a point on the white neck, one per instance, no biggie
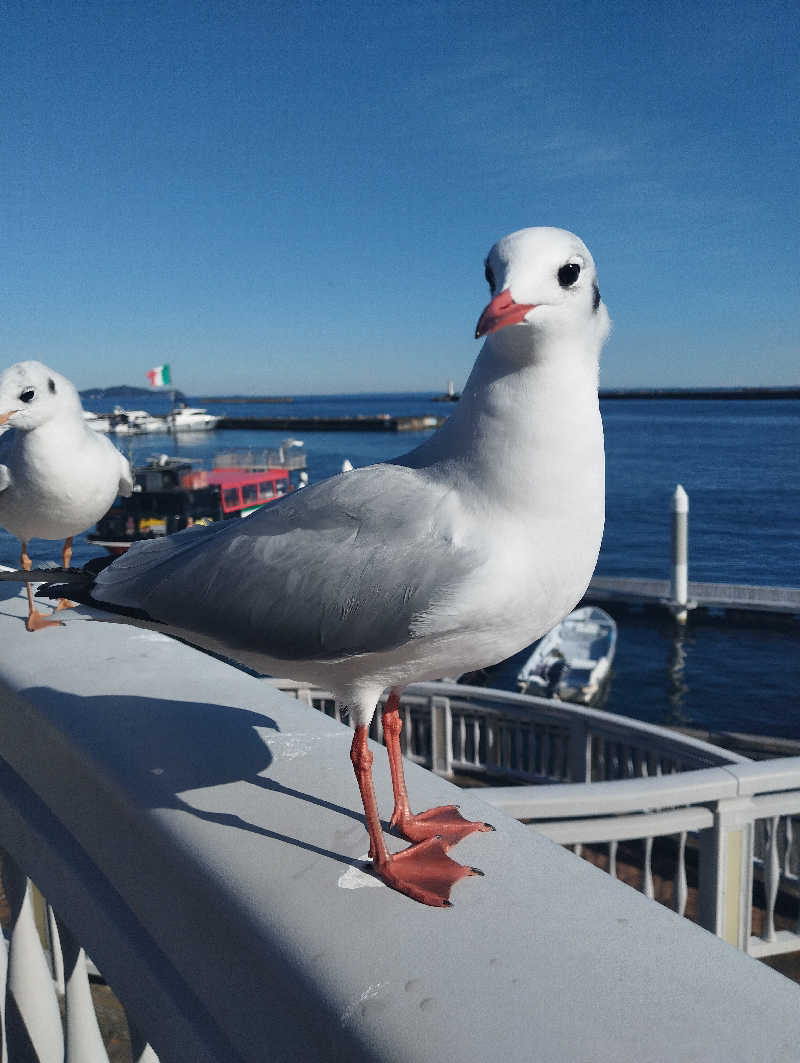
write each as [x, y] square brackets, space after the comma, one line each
[527, 428]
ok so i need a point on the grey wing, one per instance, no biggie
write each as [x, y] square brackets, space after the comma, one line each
[344, 567]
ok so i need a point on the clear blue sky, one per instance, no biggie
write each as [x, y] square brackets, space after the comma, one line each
[289, 198]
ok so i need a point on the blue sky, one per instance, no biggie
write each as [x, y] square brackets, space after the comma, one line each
[288, 198]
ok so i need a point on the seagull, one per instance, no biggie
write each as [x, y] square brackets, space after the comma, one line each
[450, 558]
[57, 476]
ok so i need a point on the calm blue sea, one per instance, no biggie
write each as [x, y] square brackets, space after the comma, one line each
[738, 461]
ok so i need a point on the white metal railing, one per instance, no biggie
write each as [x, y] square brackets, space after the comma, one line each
[620, 780]
[494, 733]
[203, 840]
[41, 961]
[744, 818]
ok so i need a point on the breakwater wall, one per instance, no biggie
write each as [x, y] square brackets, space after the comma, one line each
[377, 423]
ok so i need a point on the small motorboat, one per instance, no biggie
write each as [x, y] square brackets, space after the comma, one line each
[191, 419]
[573, 661]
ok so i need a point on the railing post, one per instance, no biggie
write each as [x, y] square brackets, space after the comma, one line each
[580, 751]
[726, 872]
[441, 736]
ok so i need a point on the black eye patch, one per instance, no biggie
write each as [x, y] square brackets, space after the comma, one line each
[595, 297]
[27, 395]
[51, 385]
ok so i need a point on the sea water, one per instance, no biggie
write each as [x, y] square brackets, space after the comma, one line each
[738, 461]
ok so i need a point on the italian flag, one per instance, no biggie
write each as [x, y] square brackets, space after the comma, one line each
[160, 376]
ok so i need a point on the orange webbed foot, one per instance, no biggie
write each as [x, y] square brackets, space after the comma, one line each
[65, 603]
[445, 821]
[37, 621]
[424, 872]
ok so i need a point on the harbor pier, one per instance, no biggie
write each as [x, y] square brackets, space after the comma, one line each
[360, 423]
[681, 596]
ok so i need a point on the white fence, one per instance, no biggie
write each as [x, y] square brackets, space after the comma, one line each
[621, 780]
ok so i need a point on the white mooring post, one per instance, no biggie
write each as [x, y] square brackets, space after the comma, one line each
[680, 554]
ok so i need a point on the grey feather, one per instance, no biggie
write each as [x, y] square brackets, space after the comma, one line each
[331, 571]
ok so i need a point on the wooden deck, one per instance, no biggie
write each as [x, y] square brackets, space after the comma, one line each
[711, 597]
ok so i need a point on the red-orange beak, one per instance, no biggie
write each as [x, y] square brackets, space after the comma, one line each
[5, 416]
[501, 311]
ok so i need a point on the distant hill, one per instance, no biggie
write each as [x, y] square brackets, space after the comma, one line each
[125, 391]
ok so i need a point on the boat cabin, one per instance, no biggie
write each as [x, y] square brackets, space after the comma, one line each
[170, 495]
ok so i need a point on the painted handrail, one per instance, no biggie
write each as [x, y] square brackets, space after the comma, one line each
[201, 836]
[604, 766]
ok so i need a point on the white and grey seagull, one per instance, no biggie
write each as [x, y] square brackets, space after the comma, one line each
[447, 559]
[57, 476]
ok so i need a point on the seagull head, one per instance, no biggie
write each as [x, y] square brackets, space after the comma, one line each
[31, 394]
[543, 283]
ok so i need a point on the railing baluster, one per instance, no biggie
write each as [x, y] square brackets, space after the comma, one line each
[771, 877]
[3, 974]
[680, 890]
[788, 834]
[647, 871]
[612, 857]
[33, 1019]
[546, 753]
[141, 1052]
[54, 944]
[84, 1043]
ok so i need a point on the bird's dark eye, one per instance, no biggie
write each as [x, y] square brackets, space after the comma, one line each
[27, 395]
[568, 274]
[489, 277]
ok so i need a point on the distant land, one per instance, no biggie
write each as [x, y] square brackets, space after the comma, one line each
[789, 392]
[125, 391]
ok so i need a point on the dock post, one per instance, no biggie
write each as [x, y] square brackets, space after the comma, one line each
[680, 554]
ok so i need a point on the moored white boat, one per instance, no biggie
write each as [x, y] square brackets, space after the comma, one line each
[191, 419]
[99, 422]
[135, 422]
[573, 661]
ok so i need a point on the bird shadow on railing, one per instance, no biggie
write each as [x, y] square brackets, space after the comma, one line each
[161, 749]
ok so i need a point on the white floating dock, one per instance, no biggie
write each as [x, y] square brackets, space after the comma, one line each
[735, 597]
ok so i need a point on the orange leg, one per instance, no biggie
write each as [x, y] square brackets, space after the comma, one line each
[66, 557]
[445, 821]
[423, 872]
[36, 621]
